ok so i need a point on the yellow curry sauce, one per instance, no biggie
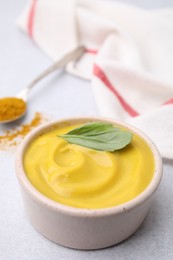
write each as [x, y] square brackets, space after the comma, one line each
[84, 178]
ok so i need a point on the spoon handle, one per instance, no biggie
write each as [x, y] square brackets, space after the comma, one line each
[61, 63]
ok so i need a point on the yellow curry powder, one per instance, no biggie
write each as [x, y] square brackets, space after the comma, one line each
[11, 108]
[14, 136]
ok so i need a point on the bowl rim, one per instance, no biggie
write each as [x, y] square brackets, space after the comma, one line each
[82, 212]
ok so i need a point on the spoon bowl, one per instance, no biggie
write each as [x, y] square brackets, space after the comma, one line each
[11, 109]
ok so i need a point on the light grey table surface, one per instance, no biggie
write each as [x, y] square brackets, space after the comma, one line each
[62, 96]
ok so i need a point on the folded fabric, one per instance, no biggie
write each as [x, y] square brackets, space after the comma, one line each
[129, 57]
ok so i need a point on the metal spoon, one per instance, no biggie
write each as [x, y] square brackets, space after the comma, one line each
[71, 56]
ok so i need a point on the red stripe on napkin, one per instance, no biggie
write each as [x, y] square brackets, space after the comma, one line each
[169, 102]
[31, 18]
[92, 51]
[101, 75]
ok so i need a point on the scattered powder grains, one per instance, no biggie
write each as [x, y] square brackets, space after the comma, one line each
[13, 137]
[11, 108]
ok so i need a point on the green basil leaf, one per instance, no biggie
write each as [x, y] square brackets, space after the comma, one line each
[99, 136]
[91, 128]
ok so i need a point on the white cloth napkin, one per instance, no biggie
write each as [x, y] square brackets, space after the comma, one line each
[129, 57]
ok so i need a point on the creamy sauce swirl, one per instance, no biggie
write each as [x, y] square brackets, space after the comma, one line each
[84, 178]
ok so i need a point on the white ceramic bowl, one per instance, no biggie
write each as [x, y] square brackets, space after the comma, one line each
[84, 228]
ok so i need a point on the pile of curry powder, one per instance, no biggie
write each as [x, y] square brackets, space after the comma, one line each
[13, 137]
[11, 108]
